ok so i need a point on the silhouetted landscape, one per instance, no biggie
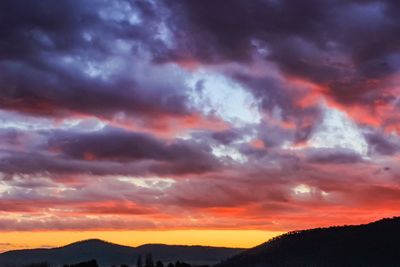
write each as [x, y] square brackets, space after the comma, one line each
[108, 254]
[374, 244]
[221, 123]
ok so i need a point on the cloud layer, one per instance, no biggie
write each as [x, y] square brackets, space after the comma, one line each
[269, 114]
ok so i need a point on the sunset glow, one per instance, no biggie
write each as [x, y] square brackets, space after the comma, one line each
[218, 238]
[195, 122]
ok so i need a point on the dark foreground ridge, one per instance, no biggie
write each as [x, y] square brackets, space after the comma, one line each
[108, 254]
[375, 244]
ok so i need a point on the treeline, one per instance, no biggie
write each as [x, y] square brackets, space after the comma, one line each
[374, 244]
[147, 261]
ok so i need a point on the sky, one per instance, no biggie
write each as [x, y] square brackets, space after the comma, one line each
[196, 122]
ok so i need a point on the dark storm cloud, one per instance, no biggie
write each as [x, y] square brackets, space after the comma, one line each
[109, 151]
[115, 128]
[30, 28]
[227, 136]
[118, 145]
[333, 156]
[54, 93]
[273, 93]
[382, 143]
[341, 44]
[31, 163]
[282, 101]
[54, 56]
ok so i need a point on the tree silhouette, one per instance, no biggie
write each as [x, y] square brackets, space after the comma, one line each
[40, 264]
[159, 264]
[92, 263]
[149, 260]
[374, 244]
[139, 261]
[182, 264]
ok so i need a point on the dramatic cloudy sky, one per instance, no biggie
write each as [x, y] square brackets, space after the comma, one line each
[193, 120]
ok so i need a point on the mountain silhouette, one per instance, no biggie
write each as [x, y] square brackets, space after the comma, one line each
[369, 245]
[108, 254]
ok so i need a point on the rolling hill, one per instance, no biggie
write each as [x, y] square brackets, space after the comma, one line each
[369, 245]
[108, 254]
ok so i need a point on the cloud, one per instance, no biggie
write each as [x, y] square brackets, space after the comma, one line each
[86, 63]
[109, 151]
[383, 144]
[311, 41]
[332, 156]
[269, 114]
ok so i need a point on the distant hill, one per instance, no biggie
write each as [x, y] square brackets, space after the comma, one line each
[108, 254]
[374, 244]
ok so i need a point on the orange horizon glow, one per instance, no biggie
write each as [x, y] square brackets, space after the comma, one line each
[216, 238]
[178, 124]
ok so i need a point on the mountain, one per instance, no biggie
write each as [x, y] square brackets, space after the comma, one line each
[108, 254]
[369, 245]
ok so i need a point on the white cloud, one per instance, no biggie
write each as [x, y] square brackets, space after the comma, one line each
[215, 94]
[302, 189]
[150, 182]
[222, 151]
[337, 130]
[14, 120]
